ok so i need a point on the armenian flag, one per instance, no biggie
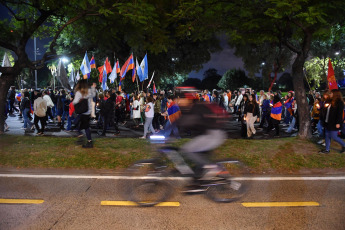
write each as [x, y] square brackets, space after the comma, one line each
[129, 64]
[288, 104]
[276, 111]
[93, 63]
[174, 112]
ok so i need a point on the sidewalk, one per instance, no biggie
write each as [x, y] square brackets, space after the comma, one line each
[233, 128]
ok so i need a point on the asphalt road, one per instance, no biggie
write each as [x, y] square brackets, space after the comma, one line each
[74, 203]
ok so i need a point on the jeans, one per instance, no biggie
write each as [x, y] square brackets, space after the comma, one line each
[332, 135]
[320, 129]
[171, 127]
[27, 121]
[69, 122]
[64, 117]
[287, 118]
[148, 125]
[292, 125]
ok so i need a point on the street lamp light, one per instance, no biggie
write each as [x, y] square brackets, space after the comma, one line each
[337, 53]
[64, 60]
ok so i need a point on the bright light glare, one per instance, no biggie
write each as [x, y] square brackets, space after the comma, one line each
[157, 137]
[337, 53]
[64, 60]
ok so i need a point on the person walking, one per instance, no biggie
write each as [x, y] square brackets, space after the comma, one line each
[136, 111]
[149, 114]
[251, 113]
[83, 92]
[26, 108]
[276, 115]
[332, 118]
[173, 113]
[40, 110]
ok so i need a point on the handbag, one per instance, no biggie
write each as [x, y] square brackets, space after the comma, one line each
[82, 106]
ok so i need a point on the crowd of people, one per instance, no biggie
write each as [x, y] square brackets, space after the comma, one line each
[161, 112]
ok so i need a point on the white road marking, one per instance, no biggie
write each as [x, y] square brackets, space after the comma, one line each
[296, 178]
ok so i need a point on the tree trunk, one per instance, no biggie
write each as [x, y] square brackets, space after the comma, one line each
[5, 83]
[301, 98]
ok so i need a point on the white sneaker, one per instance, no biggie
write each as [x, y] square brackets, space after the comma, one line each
[143, 137]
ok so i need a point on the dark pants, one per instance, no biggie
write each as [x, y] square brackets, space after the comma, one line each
[42, 120]
[156, 121]
[12, 107]
[49, 113]
[264, 117]
[119, 115]
[85, 124]
[273, 123]
[109, 121]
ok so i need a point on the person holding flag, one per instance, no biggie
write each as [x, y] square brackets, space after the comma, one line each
[276, 115]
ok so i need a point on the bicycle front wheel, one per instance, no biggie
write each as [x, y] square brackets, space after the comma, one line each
[150, 193]
[147, 187]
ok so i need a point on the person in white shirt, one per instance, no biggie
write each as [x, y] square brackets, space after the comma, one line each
[50, 104]
[238, 101]
[226, 101]
[136, 111]
[40, 108]
[149, 114]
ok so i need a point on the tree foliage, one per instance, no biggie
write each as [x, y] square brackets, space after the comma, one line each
[233, 79]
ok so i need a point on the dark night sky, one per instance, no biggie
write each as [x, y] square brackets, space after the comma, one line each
[221, 61]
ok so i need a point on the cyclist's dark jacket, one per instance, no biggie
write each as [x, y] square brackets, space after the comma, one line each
[202, 117]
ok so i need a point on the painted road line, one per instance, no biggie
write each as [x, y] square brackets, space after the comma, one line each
[130, 203]
[279, 204]
[20, 201]
[302, 178]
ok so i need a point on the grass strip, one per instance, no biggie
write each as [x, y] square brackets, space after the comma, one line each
[286, 155]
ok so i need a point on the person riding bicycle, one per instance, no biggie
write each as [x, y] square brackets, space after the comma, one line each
[207, 119]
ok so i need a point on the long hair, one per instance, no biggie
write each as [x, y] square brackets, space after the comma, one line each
[82, 87]
[337, 97]
[254, 99]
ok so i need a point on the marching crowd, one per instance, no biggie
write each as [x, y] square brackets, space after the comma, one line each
[160, 112]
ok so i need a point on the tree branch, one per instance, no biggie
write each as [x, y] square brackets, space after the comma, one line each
[7, 45]
[11, 11]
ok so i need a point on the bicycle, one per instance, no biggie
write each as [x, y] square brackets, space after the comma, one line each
[149, 185]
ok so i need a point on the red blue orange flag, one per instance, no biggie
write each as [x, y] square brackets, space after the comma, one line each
[276, 111]
[93, 63]
[129, 64]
